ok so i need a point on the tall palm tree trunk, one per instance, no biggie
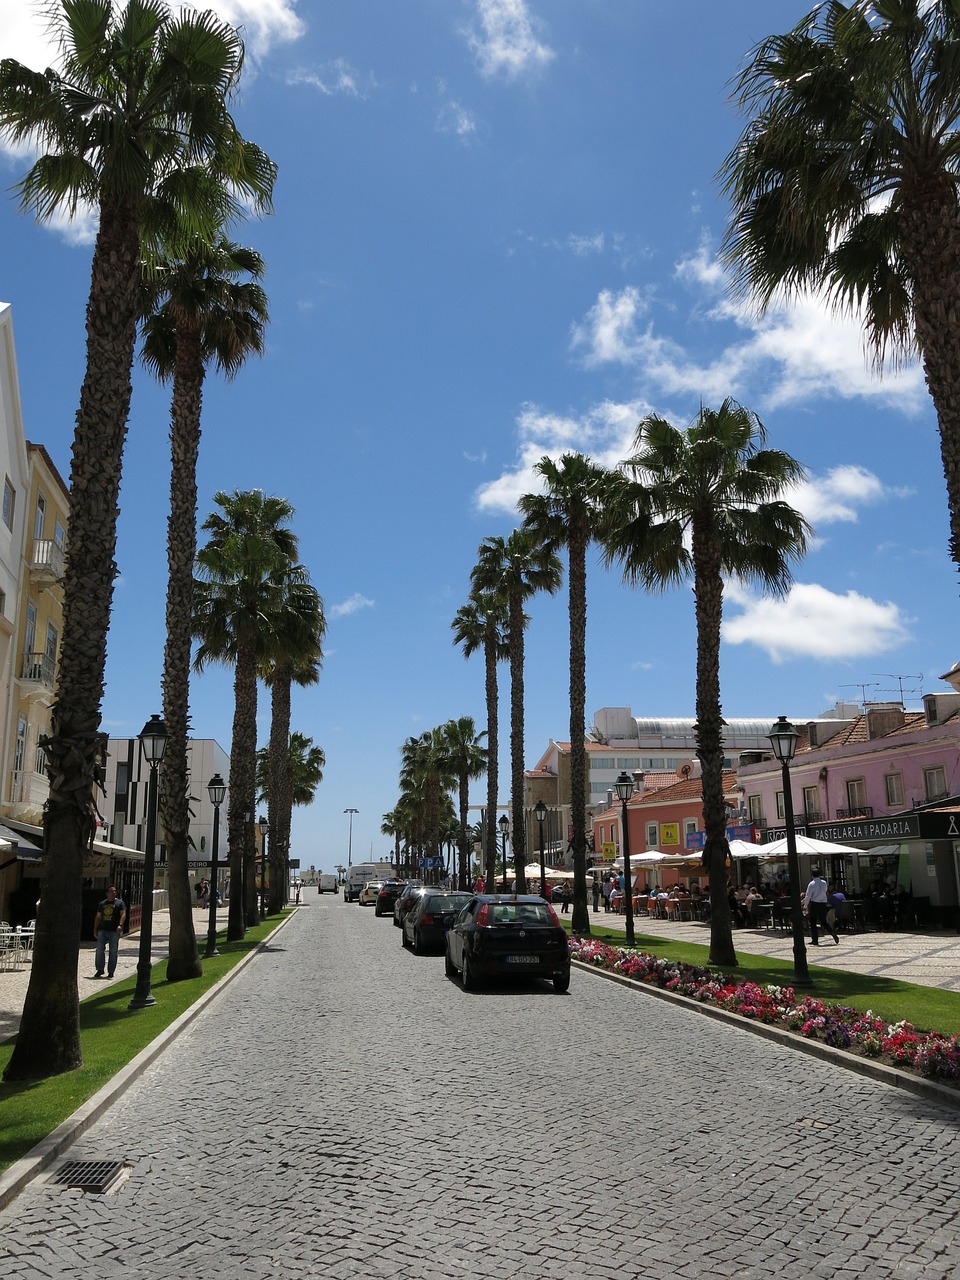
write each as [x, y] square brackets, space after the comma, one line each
[580, 921]
[243, 746]
[184, 957]
[49, 1039]
[493, 729]
[931, 224]
[708, 591]
[281, 791]
[463, 796]
[518, 827]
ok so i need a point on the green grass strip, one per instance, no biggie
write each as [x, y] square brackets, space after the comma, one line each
[927, 1008]
[111, 1035]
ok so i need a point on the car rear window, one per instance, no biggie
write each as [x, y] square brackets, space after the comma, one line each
[521, 913]
[447, 902]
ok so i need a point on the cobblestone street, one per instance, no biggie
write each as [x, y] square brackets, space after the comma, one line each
[344, 1110]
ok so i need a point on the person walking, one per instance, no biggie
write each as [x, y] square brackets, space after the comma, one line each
[596, 893]
[815, 902]
[107, 928]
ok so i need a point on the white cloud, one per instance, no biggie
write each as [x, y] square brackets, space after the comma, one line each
[606, 433]
[508, 39]
[812, 622]
[837, 495]
[453, 118]
[336, 77]
[353, 604]
[798, 351]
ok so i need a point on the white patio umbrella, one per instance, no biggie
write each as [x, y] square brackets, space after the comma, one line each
[745, 849]
[805, 844]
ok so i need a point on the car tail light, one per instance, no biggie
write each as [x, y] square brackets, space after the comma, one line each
[554, 916]
[427, 918]
[482, 914]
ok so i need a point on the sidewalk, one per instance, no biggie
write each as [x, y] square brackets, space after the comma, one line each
[930, 958]
[13, 983]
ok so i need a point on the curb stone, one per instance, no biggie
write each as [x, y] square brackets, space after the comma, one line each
[39, 1158]
[893, 1076]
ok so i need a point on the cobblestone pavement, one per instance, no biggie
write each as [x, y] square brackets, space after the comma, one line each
[343, 1110]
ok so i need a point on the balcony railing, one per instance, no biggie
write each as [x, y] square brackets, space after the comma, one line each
[47, 562]
[810, 815]
[864, 811]
[39, 668]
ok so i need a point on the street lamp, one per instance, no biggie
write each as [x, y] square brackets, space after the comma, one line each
[504, 825]
[153, 743]
[624, 786]
[783, 738]
[350, 837]
[264, 826]
[216, 790]
[540, 812]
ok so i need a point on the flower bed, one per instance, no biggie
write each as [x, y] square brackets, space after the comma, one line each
[929, 1054]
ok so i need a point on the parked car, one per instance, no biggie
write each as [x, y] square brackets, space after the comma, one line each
[507, 935]
[390, 891]
[368, 894]
[426, 923]
[402, 904]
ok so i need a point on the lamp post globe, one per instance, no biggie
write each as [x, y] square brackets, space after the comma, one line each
[216, 790]
[624, 787]
[783, 739]
[153, 743]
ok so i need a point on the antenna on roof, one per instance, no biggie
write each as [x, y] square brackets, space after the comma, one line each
[862, 687]
[885, 675]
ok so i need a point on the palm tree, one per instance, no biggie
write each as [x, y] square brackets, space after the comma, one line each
[393, 825]
[517, 568]
[467, 758]
[302, 769]
[296, 657]
[424, 760]
[478, 628]
[197, 312]
[705, 502]
[567, 514]
[134, 122]
[845, 179]
[243, 578]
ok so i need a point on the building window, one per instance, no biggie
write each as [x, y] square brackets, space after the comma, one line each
[935, 783]
[893, 790]
[689, 827]
[651, 835]
[40, 764]
[755, 808]
[123, 777]
[811, 800]
[627, 762]
[9, 502]
[781, 809]
[856, 794]
[59, 535]
[38, 517]
[20, 748]
[53, 638]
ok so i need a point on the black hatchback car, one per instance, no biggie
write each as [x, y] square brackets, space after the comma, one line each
[407, 898]
[433, 912]
[390, 891]
[507, 935]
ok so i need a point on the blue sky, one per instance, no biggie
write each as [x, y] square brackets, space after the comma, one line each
[494, 238]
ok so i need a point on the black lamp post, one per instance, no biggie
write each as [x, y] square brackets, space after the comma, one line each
[350, 837]
[504, 825]
[216, 790]
[153, 743]
[540, 812]
[624, 786]
[783, 738]
[264, 826]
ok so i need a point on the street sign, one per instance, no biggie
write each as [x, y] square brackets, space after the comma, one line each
[294, 864]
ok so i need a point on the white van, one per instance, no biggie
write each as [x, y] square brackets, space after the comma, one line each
[326, 884]
[358, 875]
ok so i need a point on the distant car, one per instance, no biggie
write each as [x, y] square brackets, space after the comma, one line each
[402, 904]
[507, 935]
[368, 894]
[390, 891]
[433, 912]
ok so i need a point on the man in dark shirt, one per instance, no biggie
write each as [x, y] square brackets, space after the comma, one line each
[107, 927]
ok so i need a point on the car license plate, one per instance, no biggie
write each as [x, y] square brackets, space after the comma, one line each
[523, 959]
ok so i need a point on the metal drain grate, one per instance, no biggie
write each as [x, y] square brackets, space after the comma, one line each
[89, 1175]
